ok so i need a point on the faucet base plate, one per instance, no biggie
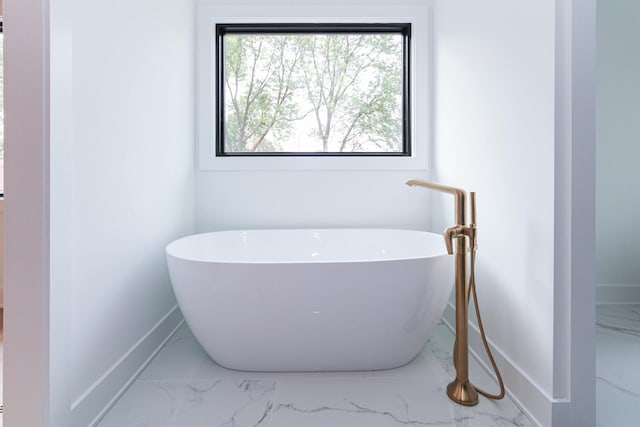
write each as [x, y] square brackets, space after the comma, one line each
[463, 393]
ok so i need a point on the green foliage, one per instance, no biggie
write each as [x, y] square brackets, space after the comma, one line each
[323, 92]
[259, 87]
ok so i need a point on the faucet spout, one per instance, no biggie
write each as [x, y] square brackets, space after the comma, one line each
[459, 194]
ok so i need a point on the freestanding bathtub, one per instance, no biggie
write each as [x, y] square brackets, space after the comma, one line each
[311, 300]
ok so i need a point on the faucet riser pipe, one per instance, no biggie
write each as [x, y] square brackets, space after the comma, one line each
[461, 390]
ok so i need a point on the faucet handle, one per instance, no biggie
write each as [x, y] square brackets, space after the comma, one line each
[473, 207]
[473, 232]
[449, 234]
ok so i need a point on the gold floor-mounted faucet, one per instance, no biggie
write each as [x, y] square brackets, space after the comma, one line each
[460, 390]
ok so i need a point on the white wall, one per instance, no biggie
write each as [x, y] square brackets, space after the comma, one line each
[618, 148]
[320, 198]
[495, 134]
[292, 199]
[100, 177]
[130, 168]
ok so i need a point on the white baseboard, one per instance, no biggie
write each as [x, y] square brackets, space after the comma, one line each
[94, 403]
[617, 294]
[541, 408]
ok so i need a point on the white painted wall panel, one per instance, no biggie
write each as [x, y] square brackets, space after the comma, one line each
[229, 199]
[618, 145]
[494, 134]
[133, 173]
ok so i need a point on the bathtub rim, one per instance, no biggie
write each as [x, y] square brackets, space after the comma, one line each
[435, 253]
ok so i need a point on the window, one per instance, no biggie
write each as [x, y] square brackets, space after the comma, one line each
[312, 89]
[264, 97]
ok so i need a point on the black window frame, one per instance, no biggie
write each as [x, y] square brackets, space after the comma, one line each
[221, 29]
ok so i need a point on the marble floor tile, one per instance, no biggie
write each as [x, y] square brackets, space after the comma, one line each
[441, 345]
[180, 358]
[382, 402]
[369, 402]
[618, 365]
[170, 403]
[183, 387]
[619, 320]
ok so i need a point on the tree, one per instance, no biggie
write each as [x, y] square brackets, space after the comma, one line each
[342, 90]
[259, 87]
[354, 84]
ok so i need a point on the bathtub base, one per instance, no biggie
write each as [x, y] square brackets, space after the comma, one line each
[314, 316]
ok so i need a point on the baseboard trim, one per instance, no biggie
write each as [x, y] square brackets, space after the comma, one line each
[541, 408]
[89, 408]
[617, 294]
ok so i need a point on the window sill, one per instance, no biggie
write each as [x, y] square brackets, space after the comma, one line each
[313, 163]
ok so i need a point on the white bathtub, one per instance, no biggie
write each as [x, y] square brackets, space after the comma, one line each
[311, 300]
